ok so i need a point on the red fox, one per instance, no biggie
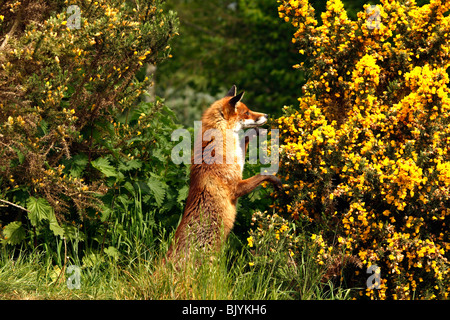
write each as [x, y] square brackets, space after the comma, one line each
[215, 187]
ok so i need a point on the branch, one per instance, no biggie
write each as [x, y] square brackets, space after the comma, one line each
[14, 205]
[13, 28]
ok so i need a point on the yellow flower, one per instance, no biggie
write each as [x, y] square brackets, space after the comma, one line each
[250, 241]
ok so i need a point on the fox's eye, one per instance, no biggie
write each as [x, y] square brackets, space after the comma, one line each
[247, 113]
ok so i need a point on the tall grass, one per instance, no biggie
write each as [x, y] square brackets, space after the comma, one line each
[130, 267]
[226, 275]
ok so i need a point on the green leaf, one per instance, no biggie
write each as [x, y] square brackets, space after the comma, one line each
[14, 233]
[102, 164]
[158, 189]
[182, 194]
[120, 230]
[39, 209]
[73, 233]
[92, 259]
[55, 227]
[43, 127]
[20, 155]
[129, 187]
[112, 252]
[130, 165]
[78, 164]
[158, 154]
[105, 213]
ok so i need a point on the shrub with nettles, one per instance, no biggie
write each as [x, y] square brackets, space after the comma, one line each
[75, 134]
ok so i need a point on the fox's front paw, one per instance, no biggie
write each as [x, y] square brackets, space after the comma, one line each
[276, 182]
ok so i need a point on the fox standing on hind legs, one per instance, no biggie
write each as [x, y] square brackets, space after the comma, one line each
[215, 186]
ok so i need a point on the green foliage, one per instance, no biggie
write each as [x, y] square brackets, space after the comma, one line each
[140, 275]
[13, 233]
[279, 245]
[229, 42]
[76, 138]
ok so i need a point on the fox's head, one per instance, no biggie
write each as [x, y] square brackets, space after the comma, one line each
[227, 115]
[236, 114]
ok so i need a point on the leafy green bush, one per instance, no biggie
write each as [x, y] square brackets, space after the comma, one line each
[77, 144]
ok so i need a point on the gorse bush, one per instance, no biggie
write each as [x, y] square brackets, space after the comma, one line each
[366, 153]
[78, 144]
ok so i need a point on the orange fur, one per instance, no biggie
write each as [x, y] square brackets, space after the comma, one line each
[214, 189]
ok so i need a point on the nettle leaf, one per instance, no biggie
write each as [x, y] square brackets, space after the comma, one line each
[39, 209]
[158, 189]
[102, 164]
[182, 194]
[129, 187]
[158, 154]
[55, 227]
[78, 165]
[14, 233]
[112, 252]
[130, 165]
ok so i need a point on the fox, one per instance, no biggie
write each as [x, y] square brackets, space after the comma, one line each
[216, 186]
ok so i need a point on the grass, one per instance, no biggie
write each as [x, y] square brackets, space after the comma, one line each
[131, 268]
[226, 275]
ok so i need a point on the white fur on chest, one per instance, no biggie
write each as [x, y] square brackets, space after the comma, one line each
[239, 155]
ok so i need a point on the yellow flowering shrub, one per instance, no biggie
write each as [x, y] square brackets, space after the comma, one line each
[365, 155]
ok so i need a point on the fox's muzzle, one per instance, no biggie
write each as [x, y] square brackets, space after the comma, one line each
[250, 123]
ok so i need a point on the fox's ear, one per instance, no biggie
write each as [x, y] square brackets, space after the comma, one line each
[231, 92]
[236, 99]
